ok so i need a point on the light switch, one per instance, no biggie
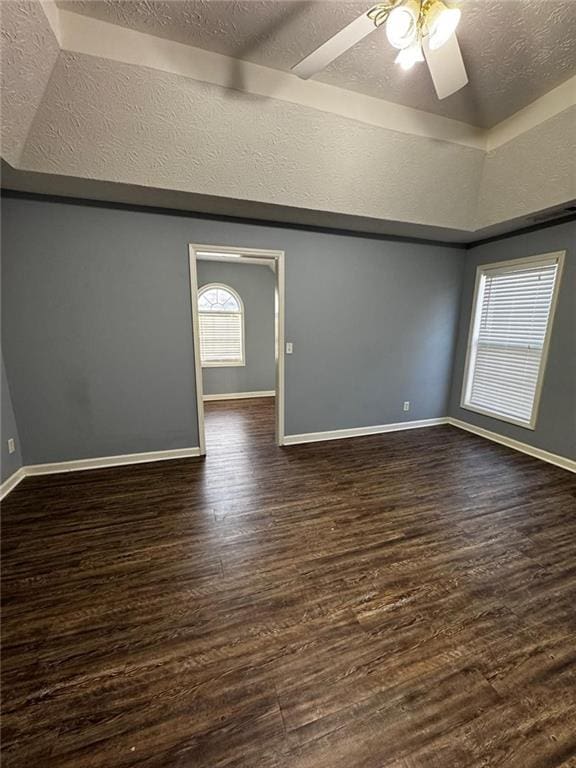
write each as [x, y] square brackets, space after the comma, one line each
[288, 347]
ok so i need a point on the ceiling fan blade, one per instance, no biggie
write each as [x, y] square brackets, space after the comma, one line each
[446, 66]
[336, 46]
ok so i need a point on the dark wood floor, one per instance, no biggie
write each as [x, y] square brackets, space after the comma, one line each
[397, 601]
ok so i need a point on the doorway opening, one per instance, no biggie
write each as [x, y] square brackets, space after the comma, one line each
[238, 324]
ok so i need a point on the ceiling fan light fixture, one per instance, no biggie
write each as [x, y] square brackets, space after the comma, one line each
[402, 24]
[441, 22]
[407, 57]
[416, 28]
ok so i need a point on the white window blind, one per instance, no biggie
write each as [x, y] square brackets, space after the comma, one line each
[511, 326]
[221, 326]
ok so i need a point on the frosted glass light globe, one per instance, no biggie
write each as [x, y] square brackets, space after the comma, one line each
[442, 22]
[401, 25]
[410, 56]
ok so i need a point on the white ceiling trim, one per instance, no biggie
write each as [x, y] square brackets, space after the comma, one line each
[53, 15]
[551, 104]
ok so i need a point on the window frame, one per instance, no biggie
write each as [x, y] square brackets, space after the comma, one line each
[508, 266]
[223, 363]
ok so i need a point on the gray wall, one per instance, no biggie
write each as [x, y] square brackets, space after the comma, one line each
[373, 324]
[10, 462]
[98, 338]
[255, 286]
[556, 427]
[97, 331]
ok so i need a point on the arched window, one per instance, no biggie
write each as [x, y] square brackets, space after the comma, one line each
[221, 321]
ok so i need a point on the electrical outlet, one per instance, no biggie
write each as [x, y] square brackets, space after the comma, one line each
[289, 348]
[11, 445]
[406, 405]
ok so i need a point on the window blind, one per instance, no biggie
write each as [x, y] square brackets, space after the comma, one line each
[509, 333]
[220, 337]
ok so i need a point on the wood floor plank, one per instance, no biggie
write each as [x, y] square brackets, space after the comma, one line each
[396, 722]
[397, 601]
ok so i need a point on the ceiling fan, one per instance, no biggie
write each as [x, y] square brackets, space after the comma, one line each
[419, 29]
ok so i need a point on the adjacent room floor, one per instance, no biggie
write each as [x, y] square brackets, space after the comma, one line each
[400, 601]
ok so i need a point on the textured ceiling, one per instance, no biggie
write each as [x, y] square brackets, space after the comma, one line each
[514, 50]
[174, 141]
[126, 123]
[26, 63]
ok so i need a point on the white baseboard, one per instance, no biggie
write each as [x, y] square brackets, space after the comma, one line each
[80, 465]
[11, 482]
[340, 434]
[537, 453]
[240, 395]
[310, 437]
